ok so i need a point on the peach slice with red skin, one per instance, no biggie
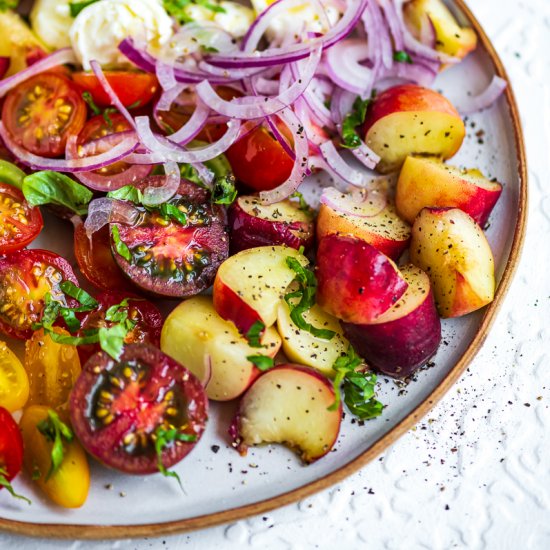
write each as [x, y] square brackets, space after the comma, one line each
[453, 250]
[406, 336]
[425, 181]
[288, 404]
[410, 119]
[249, 285]
[356, 282]
[384, 230]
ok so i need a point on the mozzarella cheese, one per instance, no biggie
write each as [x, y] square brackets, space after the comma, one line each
[99, 28]
[235, 19]
[51, 21]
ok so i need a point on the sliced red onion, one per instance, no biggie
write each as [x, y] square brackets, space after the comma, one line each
[60, 57]
[393, 23]
[152, 196]
[105, 210]
[485, 99]
[428, 35]
[265, 86]
[207, 370]
[379, 39]
[366, 155]
[193, 126]
[105, 183]
[229, 74]
[294, 52]
[344, 67]
[339, 166]
[205, 175]
[165, 75]
[366, 204]
[4, 65]
[163, 150]
[421, 73]
[95, 162]
[341, 104]
[115, 100]
[313, 131]
[300, 168]
[415, 46]
[280, 138]
[250, 107]
[168, 97]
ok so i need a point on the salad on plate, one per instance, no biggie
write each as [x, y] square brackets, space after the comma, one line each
[262, 210]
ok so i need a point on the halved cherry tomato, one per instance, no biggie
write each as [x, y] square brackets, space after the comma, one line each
[95, 259]
[259, 161]
[68, 486]
[26, 276]
[118, 406]
[19, 223]
[52, 369]
[42, 112]
[14, 382]
[11, 446]
[147, 318]
[133, 88]
[166, 257]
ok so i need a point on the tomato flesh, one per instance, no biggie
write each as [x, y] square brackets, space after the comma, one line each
[20, 224]
[147, 318]
[41, 112]
[14, 382]
[116, 408]
[26, 276]
[11, 445]
[133, 88]
[171, 259]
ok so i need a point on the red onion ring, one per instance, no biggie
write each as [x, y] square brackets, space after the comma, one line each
[339, 166]
[153, 196]
[388, 7]
[366, 155]
[485, 99]
[193, 126]
[344, 67]
[60, 57]
[106, 210]
[300, 168]
[371, 204]
[95, 162]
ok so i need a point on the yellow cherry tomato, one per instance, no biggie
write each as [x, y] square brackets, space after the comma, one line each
[52, 369]
[69, 484]
[14, 383]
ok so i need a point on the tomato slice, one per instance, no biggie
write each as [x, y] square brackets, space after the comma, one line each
[14, 383]
[52, 369]
[134, 89]
[259, 161]
[11, 445]
[26, 276]
[20, 223]
[168, 258]
[147, 318]
[42, 112]
[118, 406]
[95, 259]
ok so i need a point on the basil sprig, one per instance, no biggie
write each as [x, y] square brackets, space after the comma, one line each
[350, 138]
[4, 482]
[262, 362]
[56, 431]
[164, 438]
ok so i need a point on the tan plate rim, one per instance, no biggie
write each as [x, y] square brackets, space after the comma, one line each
[233, 514]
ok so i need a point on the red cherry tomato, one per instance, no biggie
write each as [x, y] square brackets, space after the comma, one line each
[95, 259]
[11, 446]
[19, 223]
[117, 408]
[259, 161]
[42, 112]
[135, 89]
[26, 276]
[147, 318]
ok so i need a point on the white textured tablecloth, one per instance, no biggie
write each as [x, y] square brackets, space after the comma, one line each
[476, 472]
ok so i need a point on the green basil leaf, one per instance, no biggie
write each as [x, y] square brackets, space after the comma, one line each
[262, 362]
[171, 212]
[88, 98]
[118, 313]
[4, 482]
[127, 193]
[91, 338]
[79, 294]
[224, 191]
[48, 187]
[11, 174]
[120, 246]
[56, 431]
[164, 438]
[111, 339]
[76, 7]
[402, 57]
[254, 334]
[350, 138]
[304, 206]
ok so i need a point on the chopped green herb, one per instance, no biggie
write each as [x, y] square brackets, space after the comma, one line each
[224, 191]
[4, 482]
[304, 206]
[111, 339]
[402, 57]
[358, 387]
[77, 7]
[120, 246]
[87, 97]
[8, 4]
[165, 437]
[127, 193]
[79, 294]
[177, 8]
[307, 284]
[262, 362]
[56, 431]
[48, 187]
[254, 334]
[11, 174]
[171, 212]
[357, 116]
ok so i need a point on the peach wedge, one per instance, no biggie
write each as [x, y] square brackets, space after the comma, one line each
[453, 250]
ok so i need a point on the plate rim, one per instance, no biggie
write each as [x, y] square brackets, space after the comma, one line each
[98, 532]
